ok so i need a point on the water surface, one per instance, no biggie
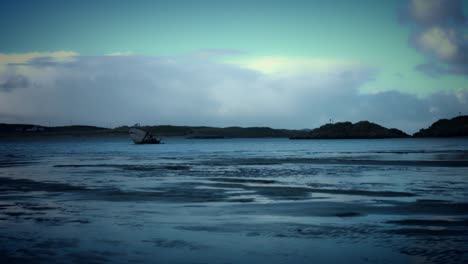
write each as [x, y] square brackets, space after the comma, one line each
[234, 201]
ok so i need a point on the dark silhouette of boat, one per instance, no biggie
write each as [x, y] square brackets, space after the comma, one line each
[141, 136]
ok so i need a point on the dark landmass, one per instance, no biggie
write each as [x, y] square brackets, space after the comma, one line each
[203, 132]
[455, 127]
[196, 132]
[347, 130]
[34, 131]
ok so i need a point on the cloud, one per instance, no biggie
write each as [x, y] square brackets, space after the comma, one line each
[214, 53]
[438, 33]
[187, 90]
[434, 12]
[287, 66]
[25, 57]
[440, 42]
[125, 53]
[13, 82]
[432, 69]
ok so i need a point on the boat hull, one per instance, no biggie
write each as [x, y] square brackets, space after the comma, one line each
[139, 136]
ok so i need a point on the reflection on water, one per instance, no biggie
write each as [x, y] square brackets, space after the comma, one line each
[234, 200]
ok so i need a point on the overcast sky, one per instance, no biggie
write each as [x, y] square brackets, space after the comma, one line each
[283, 64]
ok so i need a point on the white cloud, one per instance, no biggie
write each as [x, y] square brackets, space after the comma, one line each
[441, 42]
[124, 53]
[287, 65]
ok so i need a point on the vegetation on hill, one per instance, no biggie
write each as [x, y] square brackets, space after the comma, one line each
[343, 130]
[216, 132]
[455, 127]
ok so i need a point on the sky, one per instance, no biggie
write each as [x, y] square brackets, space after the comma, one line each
[282, 64]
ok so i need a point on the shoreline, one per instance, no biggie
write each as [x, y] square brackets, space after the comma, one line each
[454, 128]
[36, 135]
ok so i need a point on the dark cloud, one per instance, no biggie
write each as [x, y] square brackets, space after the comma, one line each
[436, 70]
[431, 69]
[438, 33]
[42, 62]
[192, 91]
[428, 13]
[13, 82]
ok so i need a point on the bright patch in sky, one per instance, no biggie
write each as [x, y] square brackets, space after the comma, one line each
[277, 65]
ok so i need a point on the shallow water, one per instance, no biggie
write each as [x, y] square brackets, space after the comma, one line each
[234, 201]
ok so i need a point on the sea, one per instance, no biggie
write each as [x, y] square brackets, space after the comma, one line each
[99, 200]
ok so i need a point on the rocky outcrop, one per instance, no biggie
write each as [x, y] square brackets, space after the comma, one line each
[345, 130]
[455, 127]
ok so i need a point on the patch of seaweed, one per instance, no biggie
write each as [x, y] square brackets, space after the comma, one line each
[348, 214]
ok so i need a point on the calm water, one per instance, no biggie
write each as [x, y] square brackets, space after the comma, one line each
[234, 201]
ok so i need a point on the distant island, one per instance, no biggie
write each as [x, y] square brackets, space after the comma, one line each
[347, 130]
[27, 130]
[455, 127]
[195, 132]
[204, 132]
